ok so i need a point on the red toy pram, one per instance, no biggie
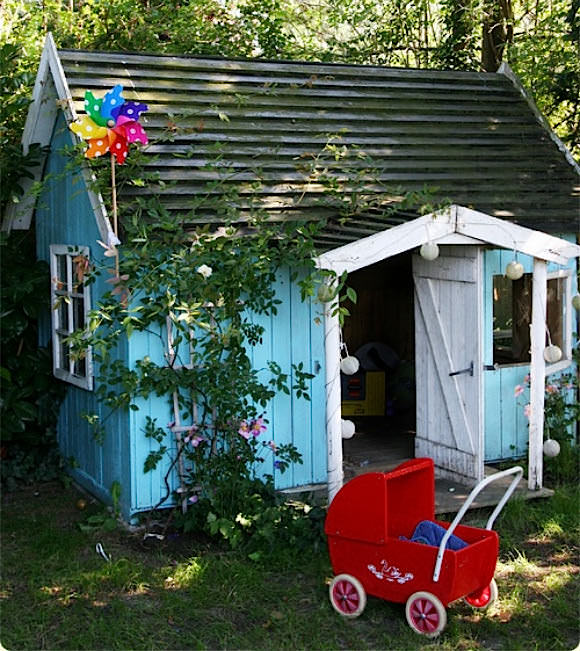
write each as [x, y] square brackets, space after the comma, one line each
[369, 526]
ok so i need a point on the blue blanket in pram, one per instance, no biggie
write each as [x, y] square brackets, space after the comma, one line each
[430, 533]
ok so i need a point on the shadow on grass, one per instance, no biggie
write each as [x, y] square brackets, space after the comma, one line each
[58, 593]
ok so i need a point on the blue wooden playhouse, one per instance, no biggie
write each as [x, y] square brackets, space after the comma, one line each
[476, 139]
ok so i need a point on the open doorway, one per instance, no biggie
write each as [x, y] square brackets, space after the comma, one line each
[380, 398]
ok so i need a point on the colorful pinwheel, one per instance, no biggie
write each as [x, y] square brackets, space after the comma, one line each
[110, 124]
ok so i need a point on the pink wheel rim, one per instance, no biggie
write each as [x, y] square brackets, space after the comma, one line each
[424, 615]
[480, 598]
[346, 597]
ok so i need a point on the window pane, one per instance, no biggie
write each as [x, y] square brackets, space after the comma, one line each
[64, 362]
[78, 313]
[80, 367]
[62, 314]
[512, 313]
[556, 312]
[61, 270]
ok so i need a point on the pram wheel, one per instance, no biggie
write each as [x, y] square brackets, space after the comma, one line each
[482, 599]
[347, 595]
[425, 614]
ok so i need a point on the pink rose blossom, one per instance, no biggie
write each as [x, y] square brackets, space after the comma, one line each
[258, 426]
[518, 390]
[244, 430]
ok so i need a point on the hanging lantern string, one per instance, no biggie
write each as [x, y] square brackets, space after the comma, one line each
[549, 337]
[342, 345]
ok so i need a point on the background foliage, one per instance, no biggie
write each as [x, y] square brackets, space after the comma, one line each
[30, 397]
[539, 39]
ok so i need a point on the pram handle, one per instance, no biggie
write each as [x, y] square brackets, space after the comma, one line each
[518, 471]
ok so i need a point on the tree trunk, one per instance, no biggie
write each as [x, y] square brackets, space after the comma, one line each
[497, 32]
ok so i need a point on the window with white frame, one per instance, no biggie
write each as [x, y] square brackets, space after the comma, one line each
[512, 315]
[70, 299]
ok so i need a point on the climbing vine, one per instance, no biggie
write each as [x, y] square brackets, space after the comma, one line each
[200, 294]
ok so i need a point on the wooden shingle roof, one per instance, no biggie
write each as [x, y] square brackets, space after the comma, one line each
[475, 137]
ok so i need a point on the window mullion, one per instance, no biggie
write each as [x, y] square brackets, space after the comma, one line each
[70, 306]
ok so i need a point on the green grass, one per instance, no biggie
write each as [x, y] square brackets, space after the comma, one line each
[58, 593]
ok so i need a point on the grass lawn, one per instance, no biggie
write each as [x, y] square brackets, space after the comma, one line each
[184, 593]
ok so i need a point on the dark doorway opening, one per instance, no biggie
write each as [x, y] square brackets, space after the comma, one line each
[380, 398]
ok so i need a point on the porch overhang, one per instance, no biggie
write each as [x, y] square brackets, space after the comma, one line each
[454, 225]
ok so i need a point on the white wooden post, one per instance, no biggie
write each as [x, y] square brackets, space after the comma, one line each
[333, 402]
[537, 374]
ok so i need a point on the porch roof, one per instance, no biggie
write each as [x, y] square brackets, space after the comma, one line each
[475, 138]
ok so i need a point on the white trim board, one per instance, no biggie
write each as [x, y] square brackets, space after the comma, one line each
[440, 227]
[51, 93]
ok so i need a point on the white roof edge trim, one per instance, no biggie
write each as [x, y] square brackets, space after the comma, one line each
[37, 124]
[508, 235]
[439, 225]
[506, 70]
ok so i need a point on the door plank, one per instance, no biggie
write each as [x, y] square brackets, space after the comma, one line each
[443, 363]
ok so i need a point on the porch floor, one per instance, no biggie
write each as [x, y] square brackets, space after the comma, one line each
[374, 449]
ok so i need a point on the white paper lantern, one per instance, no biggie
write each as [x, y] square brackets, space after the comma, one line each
[552, 354]
[349, 365]
[325, 293]
[576, 302]
[551, 448]
[429, 251]
[347, 428]
[514, 270]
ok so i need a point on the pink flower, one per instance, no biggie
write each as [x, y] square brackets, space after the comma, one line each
[272, 446]
[527, 410]
[551, 388]
[527, 379]
[244, 430]
[193, 499]
[196, 440]
[258, 426]
[518, 390]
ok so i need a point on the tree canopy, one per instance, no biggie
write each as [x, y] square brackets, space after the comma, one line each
[538, 39]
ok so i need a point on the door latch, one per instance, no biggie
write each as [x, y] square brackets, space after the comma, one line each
[491, 367]
[465, 370]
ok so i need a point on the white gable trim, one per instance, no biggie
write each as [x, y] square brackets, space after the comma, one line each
[442, 226]
[50, 93]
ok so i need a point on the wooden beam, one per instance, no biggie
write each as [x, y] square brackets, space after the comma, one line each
[333, 402]
[537, 374]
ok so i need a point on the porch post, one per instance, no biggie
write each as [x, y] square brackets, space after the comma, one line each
[333, 406]
[537, 374]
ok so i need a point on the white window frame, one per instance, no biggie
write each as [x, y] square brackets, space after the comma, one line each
[64, 289]
[566, 361]
[566, 276]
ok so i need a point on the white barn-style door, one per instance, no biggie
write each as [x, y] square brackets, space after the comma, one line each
[448, 358]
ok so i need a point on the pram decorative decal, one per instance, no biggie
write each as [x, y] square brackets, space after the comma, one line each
[390, 573]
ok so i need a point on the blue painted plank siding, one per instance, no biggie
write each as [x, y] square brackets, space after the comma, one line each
[64, 216]
[291, 336]
[506, 427]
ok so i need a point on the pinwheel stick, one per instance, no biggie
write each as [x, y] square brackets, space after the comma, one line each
[115, 219]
